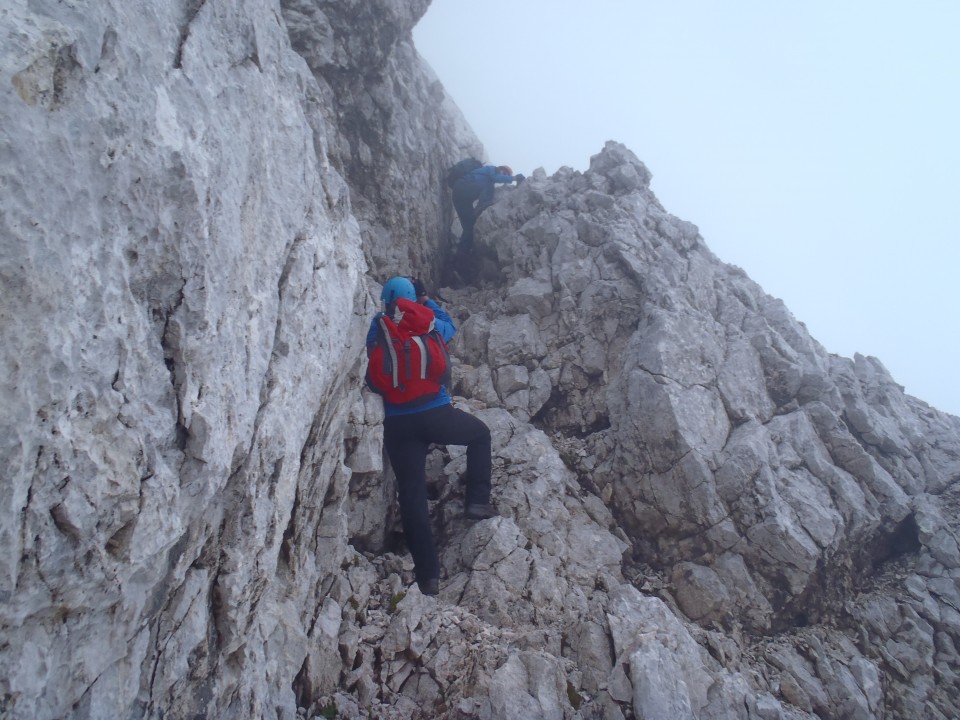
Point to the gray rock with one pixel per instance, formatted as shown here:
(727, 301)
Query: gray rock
(701, 512)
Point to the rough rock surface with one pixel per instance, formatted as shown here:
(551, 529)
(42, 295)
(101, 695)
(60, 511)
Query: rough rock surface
(702, 513)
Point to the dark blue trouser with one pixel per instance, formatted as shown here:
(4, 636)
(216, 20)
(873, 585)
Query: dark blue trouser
(407, 439)
(465, 194)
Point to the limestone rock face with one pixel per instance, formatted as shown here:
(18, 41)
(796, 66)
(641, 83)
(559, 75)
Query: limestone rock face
(701, 513)
(184, 305)
(398, 129)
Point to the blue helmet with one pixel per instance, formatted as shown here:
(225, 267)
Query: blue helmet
(398, 287)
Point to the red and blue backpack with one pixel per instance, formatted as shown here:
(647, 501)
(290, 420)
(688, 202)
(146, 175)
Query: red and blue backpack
(409, 362)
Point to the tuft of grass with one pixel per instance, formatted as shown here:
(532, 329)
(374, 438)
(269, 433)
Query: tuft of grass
(569, 459)
(575, 698)
(329, 711)
(395, 600)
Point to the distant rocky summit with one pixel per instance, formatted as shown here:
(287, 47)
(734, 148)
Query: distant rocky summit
(702, 513)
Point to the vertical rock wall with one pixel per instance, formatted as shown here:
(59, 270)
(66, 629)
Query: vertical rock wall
(183, 309)
(399, 129)
(183, 304)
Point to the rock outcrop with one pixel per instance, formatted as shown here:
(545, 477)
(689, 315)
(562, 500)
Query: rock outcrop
(771, 493)
(701, 512)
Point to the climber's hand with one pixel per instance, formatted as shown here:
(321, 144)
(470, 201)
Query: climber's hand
(419, 289)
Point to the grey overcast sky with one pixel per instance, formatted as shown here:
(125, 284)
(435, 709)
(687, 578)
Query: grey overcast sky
(815, 144)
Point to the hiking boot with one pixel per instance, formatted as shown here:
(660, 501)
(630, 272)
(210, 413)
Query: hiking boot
(431, 586)
(479, 511)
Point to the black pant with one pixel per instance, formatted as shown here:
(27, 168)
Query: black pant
(407, 439)
(465, 194)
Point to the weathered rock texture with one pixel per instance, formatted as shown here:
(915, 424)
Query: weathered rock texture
(702, 513)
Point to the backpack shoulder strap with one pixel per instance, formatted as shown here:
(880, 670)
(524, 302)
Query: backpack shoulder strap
(424, 354)
(389, 350)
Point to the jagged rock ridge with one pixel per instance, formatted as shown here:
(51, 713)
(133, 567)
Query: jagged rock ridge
(703, 514)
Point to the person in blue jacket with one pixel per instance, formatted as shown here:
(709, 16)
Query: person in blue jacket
(473, 193)
(408, 433)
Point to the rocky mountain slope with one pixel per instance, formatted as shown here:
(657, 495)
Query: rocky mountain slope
(703, 514)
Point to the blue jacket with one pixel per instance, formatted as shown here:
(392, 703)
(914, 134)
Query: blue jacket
(486, 174)
(443, 323)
